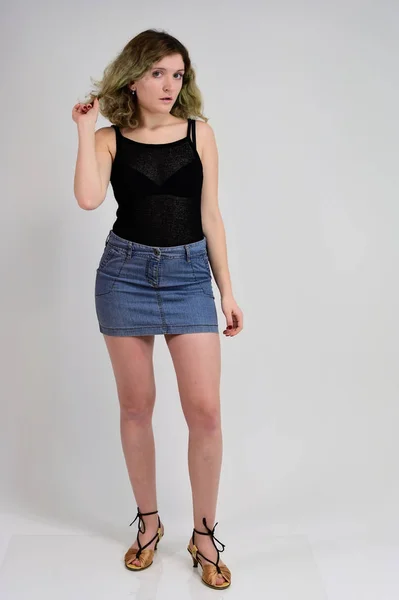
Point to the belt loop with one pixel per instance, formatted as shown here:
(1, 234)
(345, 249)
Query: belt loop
(187, 249)
(129, 250)
(108, 236)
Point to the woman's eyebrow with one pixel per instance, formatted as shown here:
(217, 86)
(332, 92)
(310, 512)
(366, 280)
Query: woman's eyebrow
(165, 69)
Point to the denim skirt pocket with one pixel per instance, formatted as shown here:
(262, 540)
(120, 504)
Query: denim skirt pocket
(202, 272)
(109, 269)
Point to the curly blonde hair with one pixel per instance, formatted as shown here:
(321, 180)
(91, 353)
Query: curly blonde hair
(117, 103)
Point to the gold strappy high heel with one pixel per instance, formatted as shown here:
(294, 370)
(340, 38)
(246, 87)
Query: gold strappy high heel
(145, 557)
(210, 572)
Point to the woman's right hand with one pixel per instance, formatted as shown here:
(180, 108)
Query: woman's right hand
(87, 113)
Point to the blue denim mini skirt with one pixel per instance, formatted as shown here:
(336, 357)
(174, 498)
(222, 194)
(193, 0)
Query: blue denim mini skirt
(148, 290)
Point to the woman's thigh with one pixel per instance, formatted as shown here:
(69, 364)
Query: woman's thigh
(132, 362)
(197, 361)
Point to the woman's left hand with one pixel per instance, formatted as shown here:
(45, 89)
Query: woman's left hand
(234, 316)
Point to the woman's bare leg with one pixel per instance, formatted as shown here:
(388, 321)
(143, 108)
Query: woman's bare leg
(197, 362)
(132, 363)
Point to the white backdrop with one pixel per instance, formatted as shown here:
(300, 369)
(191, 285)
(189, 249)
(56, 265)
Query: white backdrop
(303, 98)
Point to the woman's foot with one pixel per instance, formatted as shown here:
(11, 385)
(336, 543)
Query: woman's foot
(203, 549)
(206, 547)
(151, 525)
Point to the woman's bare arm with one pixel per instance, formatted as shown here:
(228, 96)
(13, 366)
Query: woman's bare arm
(93, 166)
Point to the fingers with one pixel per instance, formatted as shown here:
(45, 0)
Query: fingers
(82, 108)
(235, 326)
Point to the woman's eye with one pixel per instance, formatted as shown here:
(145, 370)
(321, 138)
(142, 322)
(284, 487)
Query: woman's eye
(181, 74)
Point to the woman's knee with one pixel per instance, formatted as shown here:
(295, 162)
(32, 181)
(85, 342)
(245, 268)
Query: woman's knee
(137, 407)
(203, 416)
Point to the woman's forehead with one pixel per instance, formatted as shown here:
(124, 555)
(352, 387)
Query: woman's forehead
(170, 63)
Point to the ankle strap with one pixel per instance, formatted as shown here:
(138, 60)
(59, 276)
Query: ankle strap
(211, 533)
(141, 521)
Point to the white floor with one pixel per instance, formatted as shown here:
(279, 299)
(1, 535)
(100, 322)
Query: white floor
(42, 560)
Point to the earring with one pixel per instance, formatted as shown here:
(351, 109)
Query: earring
(133, 92)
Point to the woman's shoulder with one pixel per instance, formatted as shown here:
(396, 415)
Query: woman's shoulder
(205, 136)
(203, 127)
(105, 133)
(204, 131)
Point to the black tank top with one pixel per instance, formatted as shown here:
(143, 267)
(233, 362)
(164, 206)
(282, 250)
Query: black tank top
(158, 190)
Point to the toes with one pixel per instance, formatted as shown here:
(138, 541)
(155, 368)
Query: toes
(135, 562)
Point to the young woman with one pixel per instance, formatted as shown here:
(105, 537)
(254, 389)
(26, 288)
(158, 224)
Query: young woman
(154, 275)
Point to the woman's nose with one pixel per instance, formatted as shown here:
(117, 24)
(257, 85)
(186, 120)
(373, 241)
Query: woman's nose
(168, 86)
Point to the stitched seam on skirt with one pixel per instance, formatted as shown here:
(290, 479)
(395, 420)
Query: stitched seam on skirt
(201, 285)
(157, 326)
(115, 277)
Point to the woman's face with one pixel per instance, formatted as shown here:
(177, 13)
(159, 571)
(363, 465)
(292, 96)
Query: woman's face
(164, 78)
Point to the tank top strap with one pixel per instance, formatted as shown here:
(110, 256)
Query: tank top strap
(118, 133)
(191, 129)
